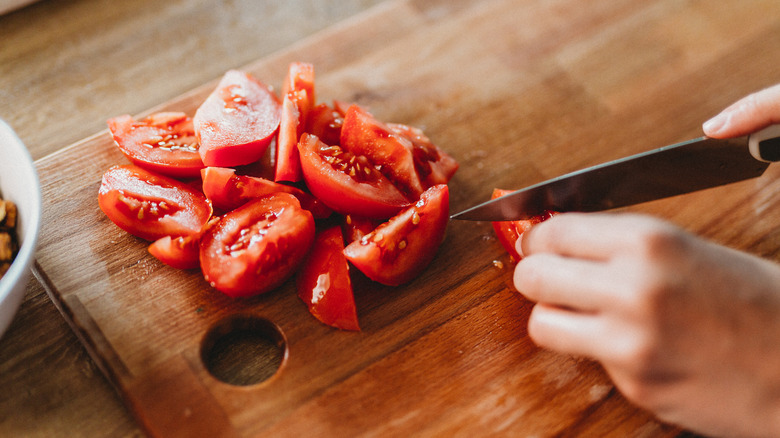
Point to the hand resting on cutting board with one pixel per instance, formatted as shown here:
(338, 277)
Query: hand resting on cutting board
(686, 328)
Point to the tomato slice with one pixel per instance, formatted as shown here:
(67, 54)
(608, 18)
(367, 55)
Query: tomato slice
(362, 134)
(256, 247)
(228, 191)
(237, 121)
(323, 282)
(298, 92)
(178, 252)
(325, 122)
(508, 232)
(403, 153)
(347, 183)
(151, 206)
(400, 249)
(163, 142)
(433, 165)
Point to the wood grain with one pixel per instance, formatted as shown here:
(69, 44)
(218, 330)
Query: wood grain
(517, 92)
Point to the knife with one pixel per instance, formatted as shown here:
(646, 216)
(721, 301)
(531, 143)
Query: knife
(660, 173)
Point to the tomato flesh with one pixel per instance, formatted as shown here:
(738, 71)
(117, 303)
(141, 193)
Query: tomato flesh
(228, 191)
(256, 247)
(400, 249)
(507, 232)
(347, 183)
(163, 142)
(237, 121)
(151, 206)
(323, 282)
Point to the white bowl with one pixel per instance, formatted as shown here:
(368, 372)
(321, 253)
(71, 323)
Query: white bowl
(19, 184)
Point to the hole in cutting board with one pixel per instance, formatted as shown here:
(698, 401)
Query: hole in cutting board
(243, 350)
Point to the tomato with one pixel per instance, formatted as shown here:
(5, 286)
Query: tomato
(151, 206)
(323, 282)
(228, 191)
(237, 122)
(404, 154)
(178, 252)
(400, 249)
(508, 232)
(298, 99)
(163, 142)
(362, 134)
(256, 247)
(347, 183)
(325, 122)
(433, 165)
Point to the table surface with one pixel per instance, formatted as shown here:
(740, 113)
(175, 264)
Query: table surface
(67, 66)
(88, 60)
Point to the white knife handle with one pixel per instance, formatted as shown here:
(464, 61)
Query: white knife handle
(764, 145)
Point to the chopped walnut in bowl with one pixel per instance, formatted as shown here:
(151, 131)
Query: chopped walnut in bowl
(9, 244)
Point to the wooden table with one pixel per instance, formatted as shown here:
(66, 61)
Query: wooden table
(620, 77)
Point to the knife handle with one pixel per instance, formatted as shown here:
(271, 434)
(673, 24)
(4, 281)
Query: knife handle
(764, 145)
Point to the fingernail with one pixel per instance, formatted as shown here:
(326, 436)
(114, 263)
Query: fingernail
(519, 246)
(715, 124)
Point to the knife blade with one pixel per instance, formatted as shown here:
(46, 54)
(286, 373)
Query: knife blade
(656, 174)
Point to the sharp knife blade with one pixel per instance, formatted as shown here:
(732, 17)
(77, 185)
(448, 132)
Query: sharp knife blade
(661, 173)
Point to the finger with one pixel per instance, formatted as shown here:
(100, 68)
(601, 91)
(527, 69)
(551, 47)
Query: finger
(747, 115)
(577, 284)
(565, 331)
(595, 236)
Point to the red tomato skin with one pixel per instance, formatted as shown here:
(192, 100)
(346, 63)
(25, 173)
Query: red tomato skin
(374, 198)
(163, 142)
(323, 282)
(288, 163)
(399, 250)
(507, 232)
(177, 252)
(151, 206)
(298, 100)
(227, 191)
(256, 247)
(237, 121)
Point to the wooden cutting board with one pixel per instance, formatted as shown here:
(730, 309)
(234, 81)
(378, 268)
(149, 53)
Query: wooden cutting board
(517, 92)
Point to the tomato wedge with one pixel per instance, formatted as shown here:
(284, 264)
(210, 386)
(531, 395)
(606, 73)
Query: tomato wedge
(163, 142)
(177, 252)
(298, 99)
(237, 121)
(508, 232)
(228, 191)
(347, 183)
(323, 282)
(256, 247)
(362, 134)
(151, 206)
(433, 165)
(400, 249)
(402, 153)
